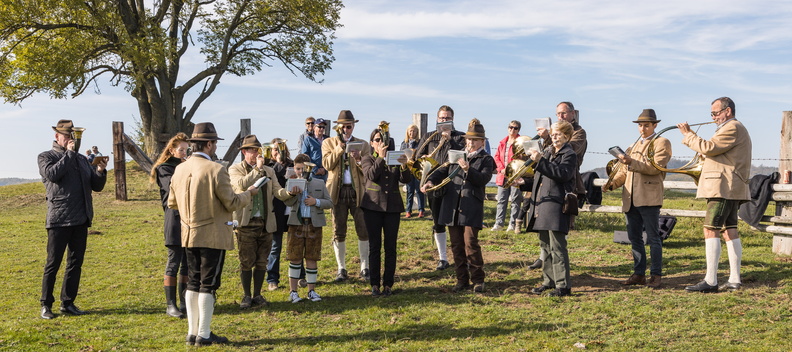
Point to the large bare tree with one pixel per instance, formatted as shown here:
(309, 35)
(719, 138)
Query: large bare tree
(62, 47)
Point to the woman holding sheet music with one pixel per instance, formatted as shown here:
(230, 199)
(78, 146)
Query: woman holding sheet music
(382, 206)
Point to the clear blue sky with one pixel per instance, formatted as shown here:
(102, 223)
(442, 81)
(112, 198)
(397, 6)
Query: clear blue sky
(496, 61)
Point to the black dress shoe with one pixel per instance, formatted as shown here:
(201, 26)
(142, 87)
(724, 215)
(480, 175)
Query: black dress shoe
(540, 289)
(46, 313)
(72, 309)
(375, 291)
(442, 265)
(200, 341)
(386, 292)
(702, 286)
(342, 275)
(536, 265)
(461, 287)
(561, 292)
(190, 340)
(730, 286)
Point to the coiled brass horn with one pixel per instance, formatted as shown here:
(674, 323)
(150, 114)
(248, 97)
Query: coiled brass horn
(692, 168)
(519, 167)
(266, 151)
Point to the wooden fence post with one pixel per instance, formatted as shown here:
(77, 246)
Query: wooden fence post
(782, 244)
(233, 149)
(119, 161)
(420, 120)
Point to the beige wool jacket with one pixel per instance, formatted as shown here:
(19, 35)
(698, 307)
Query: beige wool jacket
(332, 154)
(201, 190)
(643, 183)
(727, 163)
(244, 176)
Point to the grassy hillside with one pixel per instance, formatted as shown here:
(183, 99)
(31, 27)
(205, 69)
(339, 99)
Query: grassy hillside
(122, 289)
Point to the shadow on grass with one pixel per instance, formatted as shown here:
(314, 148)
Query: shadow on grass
(416, 332)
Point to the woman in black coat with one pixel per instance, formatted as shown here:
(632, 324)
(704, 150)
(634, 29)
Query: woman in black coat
(554, 177)
(382, 206)
(173, 154)
(462, 210)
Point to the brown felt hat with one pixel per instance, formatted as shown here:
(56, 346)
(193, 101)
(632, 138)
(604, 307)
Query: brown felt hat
(475, 130)
(345, 116)
(204, 131)
(250, 141)
(64, 127)
(647, 115)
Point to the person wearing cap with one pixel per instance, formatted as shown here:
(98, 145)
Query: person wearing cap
(554, 176)
(439, 144)
(69, 180)
(256, 221)
(202, 192)
(312, 146)
(462, 208)
(565, 111)
(724, 184)
(346, 185)
(642, 197)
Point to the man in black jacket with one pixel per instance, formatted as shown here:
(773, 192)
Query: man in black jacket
(69, 180)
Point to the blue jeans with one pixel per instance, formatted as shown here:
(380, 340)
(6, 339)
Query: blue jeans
(508, 194)
(273, 261)
(647, 219)
(412, 189)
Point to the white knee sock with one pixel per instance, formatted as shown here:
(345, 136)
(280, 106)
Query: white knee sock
(311, 275)
(191, 303)
(712, 247)
(734, 247)
(340, 254)
(363, 250)
(294, 271)
(442, 246)
(206, 310)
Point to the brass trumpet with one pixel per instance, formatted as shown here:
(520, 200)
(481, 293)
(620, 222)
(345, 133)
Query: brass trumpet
(692, 168)
(76, 135)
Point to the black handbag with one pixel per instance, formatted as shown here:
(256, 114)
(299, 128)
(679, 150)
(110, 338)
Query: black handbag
(570, 206)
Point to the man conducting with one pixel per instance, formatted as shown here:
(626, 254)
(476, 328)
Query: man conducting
(345, 184)
(256, 221)
(724, 183)
(642, 197)
(201, 190)
(69, 180)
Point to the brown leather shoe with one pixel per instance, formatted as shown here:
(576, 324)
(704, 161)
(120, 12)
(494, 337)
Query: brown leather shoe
(654, 281)
(635, 279)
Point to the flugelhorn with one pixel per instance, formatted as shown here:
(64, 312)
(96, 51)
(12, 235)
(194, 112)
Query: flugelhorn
(692, 168)
(76, 135)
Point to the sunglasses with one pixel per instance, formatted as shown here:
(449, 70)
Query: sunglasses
(310, 123)
(514, 128)
(321, 127)
(348, 127)
(377, 140)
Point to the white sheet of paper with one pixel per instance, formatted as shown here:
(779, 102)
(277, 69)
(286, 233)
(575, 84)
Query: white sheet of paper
(391, 158)
(299, 182)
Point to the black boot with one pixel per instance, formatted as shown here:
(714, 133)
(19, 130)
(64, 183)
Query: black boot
(245, 276)
(183, 305)
(170, 298)
(258, 281)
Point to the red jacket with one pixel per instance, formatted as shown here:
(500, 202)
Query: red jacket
(499, 162)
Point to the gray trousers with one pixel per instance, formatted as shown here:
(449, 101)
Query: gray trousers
(555, 270)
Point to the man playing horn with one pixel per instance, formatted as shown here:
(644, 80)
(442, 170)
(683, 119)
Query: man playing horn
(724, 183)
(454, 140)
(642, 197)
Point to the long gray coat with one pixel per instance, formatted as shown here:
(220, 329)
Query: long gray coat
(463, 201)
(555, 171)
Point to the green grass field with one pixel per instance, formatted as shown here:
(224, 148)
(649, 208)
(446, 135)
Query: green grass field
(122, 290)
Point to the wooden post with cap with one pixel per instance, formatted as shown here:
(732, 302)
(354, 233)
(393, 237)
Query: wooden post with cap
(119, 161)
(782, 244)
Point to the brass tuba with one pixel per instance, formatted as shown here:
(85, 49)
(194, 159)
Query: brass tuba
(692, 168)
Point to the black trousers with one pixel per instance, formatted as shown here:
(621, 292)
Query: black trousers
(204, 268)
(74, 238)
(435, 203)
(383, 231)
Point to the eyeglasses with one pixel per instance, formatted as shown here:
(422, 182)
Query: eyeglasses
(514, 128)
(348, 127)
(716, 113)
(321, 127)
(377, 140)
